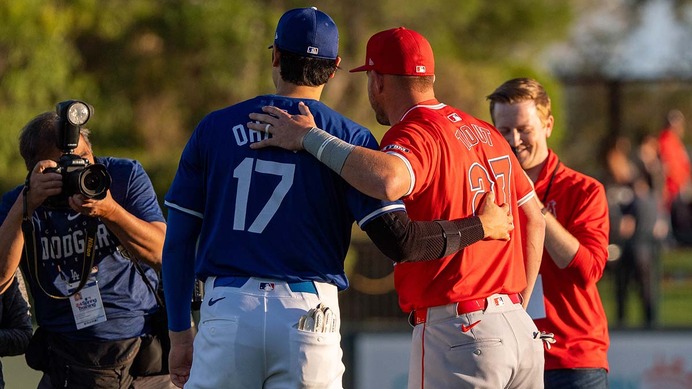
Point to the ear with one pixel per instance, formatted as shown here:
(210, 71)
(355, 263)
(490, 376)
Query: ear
(276, 57)
(549, 126)
(338, 62)
(378, 81)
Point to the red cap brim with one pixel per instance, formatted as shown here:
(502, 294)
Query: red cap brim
(363, 68)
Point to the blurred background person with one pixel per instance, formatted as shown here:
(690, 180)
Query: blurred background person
(15, 324)
(677, 191)
(634, 216)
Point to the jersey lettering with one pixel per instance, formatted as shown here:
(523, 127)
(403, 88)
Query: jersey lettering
(72, 244)
(481, 181)
(466, 136)
(244, 172)
(471, 136)
(483, 134)
(244, 136)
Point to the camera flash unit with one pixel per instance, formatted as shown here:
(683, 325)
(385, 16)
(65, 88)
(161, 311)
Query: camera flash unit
(73, 115)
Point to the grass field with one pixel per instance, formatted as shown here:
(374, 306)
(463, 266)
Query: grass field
(18, 375)
(675, 293)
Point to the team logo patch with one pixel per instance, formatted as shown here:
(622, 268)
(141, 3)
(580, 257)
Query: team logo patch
(454, 117)
(395, 147)
(420, 69)
(266, 286)
(313, 50)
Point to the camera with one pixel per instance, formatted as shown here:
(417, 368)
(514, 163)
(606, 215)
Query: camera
(79, 176)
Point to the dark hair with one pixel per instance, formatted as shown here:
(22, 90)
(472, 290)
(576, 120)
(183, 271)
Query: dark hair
(306, 71)
(40, 137)
(522, 89)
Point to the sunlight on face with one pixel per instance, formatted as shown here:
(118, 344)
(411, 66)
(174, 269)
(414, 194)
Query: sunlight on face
(521, 126)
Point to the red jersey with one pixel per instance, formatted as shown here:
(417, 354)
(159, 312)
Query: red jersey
(676, 163)
(574, 312)
(453, 159)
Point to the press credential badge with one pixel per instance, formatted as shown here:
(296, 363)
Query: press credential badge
(87, 307)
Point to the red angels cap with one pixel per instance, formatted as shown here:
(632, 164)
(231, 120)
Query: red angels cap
(399, 51)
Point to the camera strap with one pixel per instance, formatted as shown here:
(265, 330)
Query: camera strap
(140, 270)
(31, 247)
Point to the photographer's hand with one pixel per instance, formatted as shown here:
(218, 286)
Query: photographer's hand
(103, 208)
(142, 239)
(42, 184)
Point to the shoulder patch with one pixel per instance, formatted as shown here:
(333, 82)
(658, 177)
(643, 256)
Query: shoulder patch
(454, 117)
(395, 147)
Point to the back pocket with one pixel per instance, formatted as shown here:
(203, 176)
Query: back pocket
(316, 359)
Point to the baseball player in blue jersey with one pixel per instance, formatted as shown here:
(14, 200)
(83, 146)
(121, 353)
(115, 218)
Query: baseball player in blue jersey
(268, 231)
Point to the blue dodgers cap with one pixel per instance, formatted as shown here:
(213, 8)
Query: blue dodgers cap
(308, 32)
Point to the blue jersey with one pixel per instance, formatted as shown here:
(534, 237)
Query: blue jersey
(61, 234)
(270, 213)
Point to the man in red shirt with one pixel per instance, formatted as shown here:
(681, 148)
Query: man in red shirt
(674, 157)
(576, 213)
(677, 186)
(471, 330)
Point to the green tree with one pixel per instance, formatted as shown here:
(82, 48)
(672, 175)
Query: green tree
(152, 68)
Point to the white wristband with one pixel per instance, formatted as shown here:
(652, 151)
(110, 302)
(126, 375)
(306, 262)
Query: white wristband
(327, 148)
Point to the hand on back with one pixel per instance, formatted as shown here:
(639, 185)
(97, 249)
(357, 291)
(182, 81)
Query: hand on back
(497, 220)
(287, 131)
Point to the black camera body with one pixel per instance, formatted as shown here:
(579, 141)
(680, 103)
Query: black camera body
(79, 176)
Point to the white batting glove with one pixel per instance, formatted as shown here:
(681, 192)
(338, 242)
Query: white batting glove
(548, 338)
(318, 319)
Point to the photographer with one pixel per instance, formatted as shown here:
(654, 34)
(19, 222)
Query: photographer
(93, 341)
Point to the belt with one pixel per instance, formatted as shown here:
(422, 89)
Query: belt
(237, 282)
(420, 316)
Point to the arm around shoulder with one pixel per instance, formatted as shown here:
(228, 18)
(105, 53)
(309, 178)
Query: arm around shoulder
(404, 240)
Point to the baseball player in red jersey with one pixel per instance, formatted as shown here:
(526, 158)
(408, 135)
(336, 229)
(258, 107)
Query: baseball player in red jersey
(576, 238)
(471, 330)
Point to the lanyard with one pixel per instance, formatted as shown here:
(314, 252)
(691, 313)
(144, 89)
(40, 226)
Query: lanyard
(32, 247)
(550, 183)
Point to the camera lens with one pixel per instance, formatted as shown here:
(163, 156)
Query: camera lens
(94, 181)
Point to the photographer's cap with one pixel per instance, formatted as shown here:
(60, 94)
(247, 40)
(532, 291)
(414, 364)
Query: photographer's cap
(308, 32)
(399, 51)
